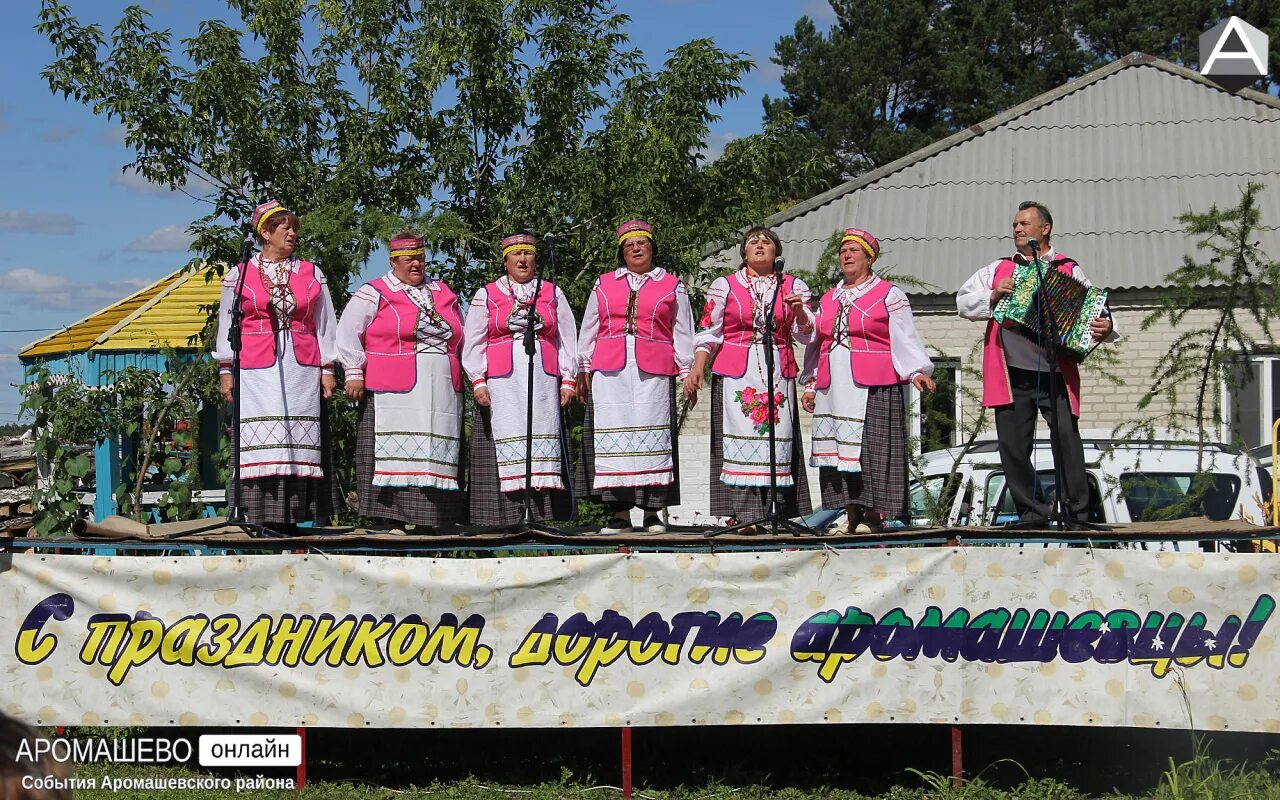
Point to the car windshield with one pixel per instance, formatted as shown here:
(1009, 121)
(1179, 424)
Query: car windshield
(1148, 494)
(1005, 511)
(927, 505)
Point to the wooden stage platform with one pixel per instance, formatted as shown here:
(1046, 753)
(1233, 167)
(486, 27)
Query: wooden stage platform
(216, 534)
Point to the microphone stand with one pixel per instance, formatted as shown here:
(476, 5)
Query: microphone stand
(772, 516)
(235, 511)
(1060, 509)
(528, 522)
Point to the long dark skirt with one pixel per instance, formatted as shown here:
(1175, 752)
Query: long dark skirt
(882, 483)
(287, 499)
(651, 498)
(751, 502)
(489, 506)
(412, 504)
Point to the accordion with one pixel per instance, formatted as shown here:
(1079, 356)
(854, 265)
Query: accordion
(1071, 304)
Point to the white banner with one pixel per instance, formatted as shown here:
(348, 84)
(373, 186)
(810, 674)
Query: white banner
(936, 635)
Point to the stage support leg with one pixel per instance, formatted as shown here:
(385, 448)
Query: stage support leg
(627, 789)
(957, 756)
(302, 763)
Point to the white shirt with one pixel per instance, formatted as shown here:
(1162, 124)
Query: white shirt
(711, 337)
(681, 333)
(475, 332)
(326, 324)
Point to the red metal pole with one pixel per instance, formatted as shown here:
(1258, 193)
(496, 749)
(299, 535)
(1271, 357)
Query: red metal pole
(627, 790)
(302, 763)
(957, 756)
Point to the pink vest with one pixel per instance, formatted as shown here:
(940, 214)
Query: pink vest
(870, 358)
(390, 341)
(258, 337)
(996, 390)
(739, 324)
(502, 340)
(655, 319)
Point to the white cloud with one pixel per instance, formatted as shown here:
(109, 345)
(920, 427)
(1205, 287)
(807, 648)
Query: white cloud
(112, 135)
(715, 144)
(821, 12)
(129, 179)
(37, 222)
(41, 290)
(56, 135)
(766, 71)
(134, 181)
(169, 239)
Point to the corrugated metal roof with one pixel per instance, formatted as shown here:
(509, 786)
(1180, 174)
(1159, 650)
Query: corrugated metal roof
(165, 314)
(1116, 155)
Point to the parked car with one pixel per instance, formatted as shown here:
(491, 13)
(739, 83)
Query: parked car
(1128, 482)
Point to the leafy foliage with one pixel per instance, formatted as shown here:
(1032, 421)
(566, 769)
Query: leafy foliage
(1213, 307)
(159, 411)
(891, 77)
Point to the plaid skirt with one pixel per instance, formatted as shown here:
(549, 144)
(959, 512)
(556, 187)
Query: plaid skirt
(650, 498)
(489, 505)
(751, 502)
(882, 483)
(418, 505)
(291, 499)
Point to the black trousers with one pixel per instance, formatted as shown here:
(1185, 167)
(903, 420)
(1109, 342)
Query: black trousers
(1016, 430)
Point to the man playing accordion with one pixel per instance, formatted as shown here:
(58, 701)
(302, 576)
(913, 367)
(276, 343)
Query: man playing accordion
(1015, 380)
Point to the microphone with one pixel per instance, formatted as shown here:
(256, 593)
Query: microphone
(779, 264)
(549, 236)
(1034, 244)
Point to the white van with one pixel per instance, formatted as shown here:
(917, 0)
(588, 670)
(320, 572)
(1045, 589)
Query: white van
(1127, 482)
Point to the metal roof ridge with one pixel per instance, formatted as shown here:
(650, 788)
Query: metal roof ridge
(1004, 117)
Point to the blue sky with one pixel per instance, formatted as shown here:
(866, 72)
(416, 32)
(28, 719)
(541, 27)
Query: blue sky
(78, 234)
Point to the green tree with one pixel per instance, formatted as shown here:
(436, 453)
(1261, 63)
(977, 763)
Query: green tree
(470, 119)
(1214, 308)
(891, 77)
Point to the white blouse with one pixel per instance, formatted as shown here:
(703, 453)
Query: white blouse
(326, 323)
(475, 332)
(682, 330)
(711, 336)
(906, 347)
(360, 312)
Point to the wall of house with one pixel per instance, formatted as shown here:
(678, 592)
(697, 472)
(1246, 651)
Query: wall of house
(1104, 406)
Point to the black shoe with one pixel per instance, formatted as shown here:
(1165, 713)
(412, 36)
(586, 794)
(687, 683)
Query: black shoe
(654, 524)
(617, 525)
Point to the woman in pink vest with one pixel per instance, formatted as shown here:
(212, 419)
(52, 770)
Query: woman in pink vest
(637, 337)
(286, 368)
(400, 344)
(494, 357)
(866, 350)
(731, 336)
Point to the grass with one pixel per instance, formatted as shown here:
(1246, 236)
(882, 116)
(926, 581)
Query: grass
(1200, 778)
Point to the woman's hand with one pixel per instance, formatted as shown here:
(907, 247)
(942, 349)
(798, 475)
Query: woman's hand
(796, 302)
(809, 400)
(924, 383)
(566, 396)
(584, 386)
(355, 390)
(692, 385)
(224, 386)
(328, 384)
(482, 396)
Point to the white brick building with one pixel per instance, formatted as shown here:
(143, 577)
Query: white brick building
(1116, 155)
